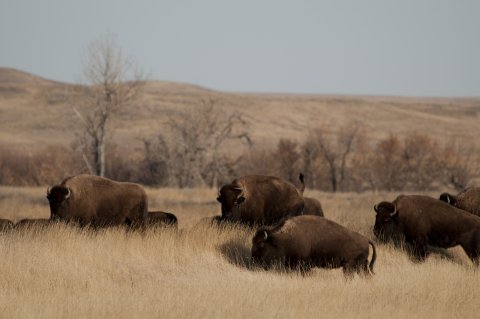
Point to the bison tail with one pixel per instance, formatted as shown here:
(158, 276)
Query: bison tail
(302, 181)
(374, 257)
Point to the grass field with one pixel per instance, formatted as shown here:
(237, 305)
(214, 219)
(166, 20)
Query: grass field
(203, 271)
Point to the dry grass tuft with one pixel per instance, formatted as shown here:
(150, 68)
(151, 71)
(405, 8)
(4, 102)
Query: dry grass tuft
(204, 271)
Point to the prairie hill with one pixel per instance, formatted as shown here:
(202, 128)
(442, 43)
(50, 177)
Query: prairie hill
(36, 112)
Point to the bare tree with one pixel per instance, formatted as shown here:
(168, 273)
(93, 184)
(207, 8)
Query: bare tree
(387, 164)
(461, 165)
(335, 151)
(195, 144)
(155, 164)
(113, 82)
(286, 158)
(421, 158)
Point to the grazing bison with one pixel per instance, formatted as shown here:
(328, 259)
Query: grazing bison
(27, 223)
(159, 218)
(98, 201)
(312, 207)
(5, 224)
(468, 200)
(258, 199)
(309, 241)
(422, 221)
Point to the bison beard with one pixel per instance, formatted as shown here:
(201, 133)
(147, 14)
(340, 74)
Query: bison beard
(312, 241)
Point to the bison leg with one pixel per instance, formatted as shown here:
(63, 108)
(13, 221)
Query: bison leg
(349, 270)
(364, 270)
(136, 217)
(473, 254)
(295, 264)
(418, 251)
(475, 257)
(472, 249)
(292, 263)
(358, 266)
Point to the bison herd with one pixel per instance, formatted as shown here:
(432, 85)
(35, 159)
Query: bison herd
(291, 228)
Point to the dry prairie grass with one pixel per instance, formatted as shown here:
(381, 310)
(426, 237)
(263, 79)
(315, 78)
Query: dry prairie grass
(203, 271)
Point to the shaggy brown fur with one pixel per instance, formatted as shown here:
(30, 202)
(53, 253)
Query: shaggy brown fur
(468, 200)
(258, 199)
(98, 201)
(422, 221)
(309, 241)
(312, 207)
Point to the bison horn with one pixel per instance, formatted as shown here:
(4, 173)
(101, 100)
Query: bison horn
(265, 234)
(241, 191)
(448, 199)
(68, 194)
(394, 211)
(48, 190)
(375, 208)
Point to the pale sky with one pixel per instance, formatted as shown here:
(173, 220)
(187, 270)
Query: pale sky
(371, 47)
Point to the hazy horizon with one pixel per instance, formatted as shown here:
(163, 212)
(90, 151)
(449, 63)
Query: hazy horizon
(410, 48)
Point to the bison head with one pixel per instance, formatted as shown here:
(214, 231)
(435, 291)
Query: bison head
(230, 196)
(57, 197)
(449, 199)
(385, 220)
(265, 249)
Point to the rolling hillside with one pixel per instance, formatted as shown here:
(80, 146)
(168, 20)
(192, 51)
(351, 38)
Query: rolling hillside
(36, 112)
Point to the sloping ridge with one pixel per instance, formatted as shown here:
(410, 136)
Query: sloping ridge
(14, 76)
(35, 111)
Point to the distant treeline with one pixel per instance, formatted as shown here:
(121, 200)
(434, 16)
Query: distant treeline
(343, 160)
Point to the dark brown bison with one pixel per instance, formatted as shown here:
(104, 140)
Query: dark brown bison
(159, 218)
(468, 200)
(258, 199)
(312, 207)
(97, 201)
(27, 223)
(5, 224)
(422, 220)
(309, 241)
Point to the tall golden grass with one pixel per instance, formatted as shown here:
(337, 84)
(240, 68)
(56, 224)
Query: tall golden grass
(203, 271)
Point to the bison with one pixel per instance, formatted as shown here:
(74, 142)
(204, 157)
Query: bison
(5, 224)
(309, 241)
(97, 201)
(468, 200)
(258, 199)
(312, 207)
(422, 220)
(159, 218)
